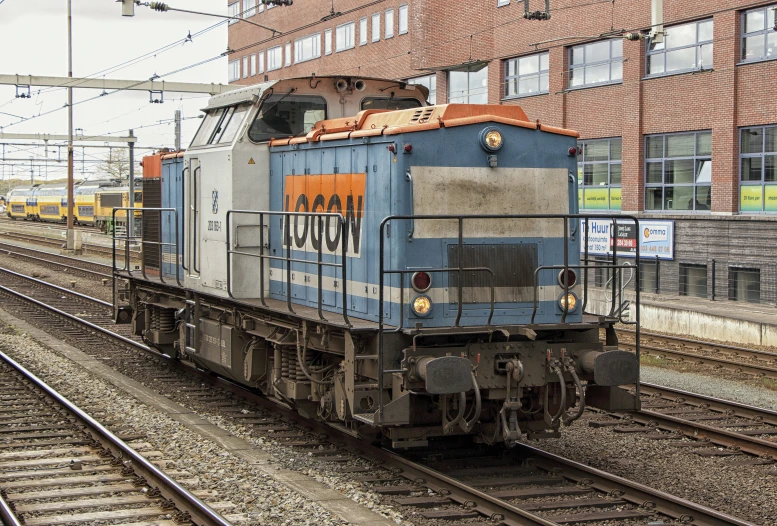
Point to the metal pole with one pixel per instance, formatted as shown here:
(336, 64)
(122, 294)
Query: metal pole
(713, 280)
(32, 173)
(70, 231)
(131, 217)
(177, 130)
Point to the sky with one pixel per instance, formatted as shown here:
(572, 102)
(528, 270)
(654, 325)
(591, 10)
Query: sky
(33, 41)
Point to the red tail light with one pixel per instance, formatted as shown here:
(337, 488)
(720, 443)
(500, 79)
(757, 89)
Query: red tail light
(421, 281)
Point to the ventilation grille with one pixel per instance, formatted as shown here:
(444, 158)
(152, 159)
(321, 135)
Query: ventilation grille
(152, 198)
(422, 115)
(513, 267)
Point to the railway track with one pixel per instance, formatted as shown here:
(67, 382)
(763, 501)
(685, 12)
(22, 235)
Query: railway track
(73, 265)
(60, 466)
(58, 242)
(44, 225)
(716, 427)
(523, 486)
(719, 356)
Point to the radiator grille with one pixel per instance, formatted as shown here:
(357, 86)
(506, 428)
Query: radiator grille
(513, 267)
(152, 198)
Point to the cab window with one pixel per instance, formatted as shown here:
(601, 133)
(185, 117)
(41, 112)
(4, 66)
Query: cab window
(384, 103)
(287, 116)
(209, 124)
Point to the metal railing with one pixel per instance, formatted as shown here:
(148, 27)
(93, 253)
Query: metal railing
(571, 227)
(287, 259)
(130, 237)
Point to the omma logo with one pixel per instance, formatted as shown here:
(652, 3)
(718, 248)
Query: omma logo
(655, 234)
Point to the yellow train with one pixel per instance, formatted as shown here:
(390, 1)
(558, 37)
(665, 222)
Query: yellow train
(93, 202)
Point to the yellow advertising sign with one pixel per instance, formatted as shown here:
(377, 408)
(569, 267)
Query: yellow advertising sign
(615, 198)
(595, 199)
(770, 198)
(751, 198)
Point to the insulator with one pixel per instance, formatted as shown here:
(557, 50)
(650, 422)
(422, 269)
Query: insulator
(633, 36)
(158, 6)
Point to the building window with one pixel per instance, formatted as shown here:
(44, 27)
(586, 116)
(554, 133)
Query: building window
(430, 82)
(468, 85)
(389, 23)
(403, 19)
(328, 42)
(599, 174)
(307, 48)
(758, 169)
(526, 75)
(744, 284)
(287, 53)
(245, 66)
(233, 70)
(376, 27)
(693, 280)
(500, 3)
(759, 39)
(596, 63)
(344, 36)
(234, 11)
(261, 7)
(249, 8)
(252, 61)
(274, 58)
(678, 171)
(363, 31)
(685, 48)
(260, 62)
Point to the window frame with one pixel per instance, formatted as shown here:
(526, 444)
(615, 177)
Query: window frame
(287, 55)
(327, 42)
(260, 62)
(345, 47)
(233, 10)
(403, 13)
(502, 3)
(585, 64)
(469, 70)
(697, 45)
(375, 21)
(363, 24)
(762, 155)
(581, 164)
(765, 32)
(683, 283)
(432, 99)
(733, 286)
(316, 39)
(249, 11)
(230, 66)
(245, 67)
(270, 52)
(517, 77)
(388, 27)
(252, 61)
(695, 158)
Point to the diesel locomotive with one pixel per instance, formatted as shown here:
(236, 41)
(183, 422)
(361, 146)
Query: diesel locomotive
(407, 271)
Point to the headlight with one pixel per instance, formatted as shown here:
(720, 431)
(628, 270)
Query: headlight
(571, 299)
(422, 305)
(491, 139)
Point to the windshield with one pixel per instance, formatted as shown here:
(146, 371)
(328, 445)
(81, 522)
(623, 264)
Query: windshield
(287, 116)
(380, 103)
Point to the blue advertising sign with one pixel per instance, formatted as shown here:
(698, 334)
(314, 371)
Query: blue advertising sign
(656, 238)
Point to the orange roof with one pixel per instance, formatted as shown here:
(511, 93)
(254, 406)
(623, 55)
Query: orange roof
(370, 123)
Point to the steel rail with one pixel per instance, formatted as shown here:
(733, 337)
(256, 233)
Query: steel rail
(57, 288)
(201, 513)
(7, 516)
(639, 494)
(43, 240)
(761, 414)
(43, 261)
(706, 345)
(731, 365)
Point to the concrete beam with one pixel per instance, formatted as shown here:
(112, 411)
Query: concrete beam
(114, 84)
(76, 138)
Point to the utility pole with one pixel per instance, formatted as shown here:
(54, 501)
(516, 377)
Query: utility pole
(177, 130)
(131, 204)
(71, 245)
(32, 173)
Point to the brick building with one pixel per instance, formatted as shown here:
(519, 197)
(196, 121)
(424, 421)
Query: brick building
(683, 131)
